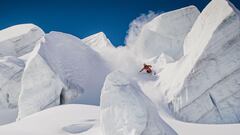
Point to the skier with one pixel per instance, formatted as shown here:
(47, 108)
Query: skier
(147, 68)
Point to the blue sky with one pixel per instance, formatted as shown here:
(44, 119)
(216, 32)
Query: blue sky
(85, 17)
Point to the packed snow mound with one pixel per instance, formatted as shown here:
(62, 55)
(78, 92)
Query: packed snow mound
(11, 69)
(125, 110)
(41, 87)
(98, 41)
(166, 33)
(203, 86)
(19, 39)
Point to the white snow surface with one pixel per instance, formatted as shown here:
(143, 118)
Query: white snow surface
(60, 120)
(84, 120)
(19, 39)
(165, 33)
(125, 110)
(203, 86)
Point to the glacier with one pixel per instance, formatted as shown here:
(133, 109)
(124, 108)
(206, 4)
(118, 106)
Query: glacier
(194, 88)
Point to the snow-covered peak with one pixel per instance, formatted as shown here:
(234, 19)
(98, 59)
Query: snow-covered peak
(17, 30)
(98, 40)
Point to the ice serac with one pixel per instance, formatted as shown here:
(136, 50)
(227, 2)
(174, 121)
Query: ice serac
(79, 67)
(125, 110)
(11, 69)
(166, 33)
(203, 86)
(61, 70)
(19, 39)
(41, 87)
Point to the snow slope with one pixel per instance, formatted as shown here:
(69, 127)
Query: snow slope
(84, 120)
(125, 110)
(60, 120)
(165, 33)
(203, 86)
(19, 39)
(184, 128)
